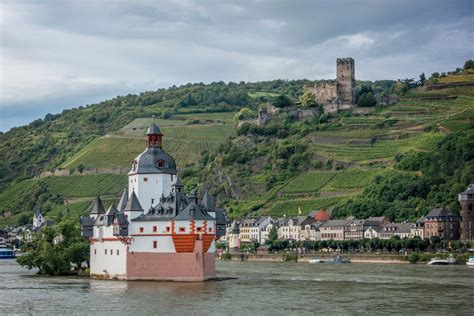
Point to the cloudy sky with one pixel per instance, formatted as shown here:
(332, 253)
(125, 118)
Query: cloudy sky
(62, 54)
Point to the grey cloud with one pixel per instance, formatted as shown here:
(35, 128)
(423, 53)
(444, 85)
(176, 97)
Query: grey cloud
(58, 54)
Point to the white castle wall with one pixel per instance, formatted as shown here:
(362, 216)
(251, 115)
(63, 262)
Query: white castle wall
(150, 187)
(111, 264)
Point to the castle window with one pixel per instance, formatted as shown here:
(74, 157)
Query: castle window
(182, 229)
(210, 229)
(142, 229)
(161, 163)
(111, 252)
(168, 229)
(105, 251)
(145, 179)
(118, 252)
(155, 244)
(199, 229)
(95, 251)
(154, 229)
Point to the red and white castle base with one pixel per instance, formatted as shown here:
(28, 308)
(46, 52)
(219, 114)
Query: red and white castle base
(173, 240)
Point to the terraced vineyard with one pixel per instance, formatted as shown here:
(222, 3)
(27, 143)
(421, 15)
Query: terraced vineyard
(87, 185)
(185, 143)
(380, 150)
(292, 207)
(308, 182)
(16, 192)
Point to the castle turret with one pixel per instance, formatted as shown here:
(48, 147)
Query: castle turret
(153, 171)
(466, 199)
(234, 237)
(123, 200)
(133, 208)
(97, 208)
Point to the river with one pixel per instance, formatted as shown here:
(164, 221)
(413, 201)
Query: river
(275, 288)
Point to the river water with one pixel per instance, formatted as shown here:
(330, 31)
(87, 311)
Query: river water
(261, 288)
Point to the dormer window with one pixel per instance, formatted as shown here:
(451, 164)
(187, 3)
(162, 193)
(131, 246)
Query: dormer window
(134, 165)
(161, 163)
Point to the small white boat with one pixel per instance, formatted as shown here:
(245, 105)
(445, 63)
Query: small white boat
(438, 261)
(314, 260)
(470, 261)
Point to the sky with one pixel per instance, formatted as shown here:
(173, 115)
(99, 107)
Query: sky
(56, 55)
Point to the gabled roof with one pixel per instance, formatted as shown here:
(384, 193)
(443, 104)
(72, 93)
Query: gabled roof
(335, 223)
(86, 221)
(208, 201)
(110, 214)
(193, 212)
(120, 219)
(97, 207)
(439, 212)
(123, 200)
(133, 204)
(404, 228)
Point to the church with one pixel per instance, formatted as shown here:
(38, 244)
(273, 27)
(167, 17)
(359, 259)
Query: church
(156, 231)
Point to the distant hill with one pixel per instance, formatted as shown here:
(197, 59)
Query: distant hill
(278, 169)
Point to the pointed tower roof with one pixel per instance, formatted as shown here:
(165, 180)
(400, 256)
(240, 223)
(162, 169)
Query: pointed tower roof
(178, 183)
(97, 207)
(235, 229)
(112, 210)
(208, 201)
(123, 200)
(37, 211)
(133, 204)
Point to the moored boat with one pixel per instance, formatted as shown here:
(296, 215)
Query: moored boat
(314, 260)
(470, 261)
(7, 253)
(438, 261)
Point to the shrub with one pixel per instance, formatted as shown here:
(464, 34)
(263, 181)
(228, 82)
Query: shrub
(290, 257)
(414, 257)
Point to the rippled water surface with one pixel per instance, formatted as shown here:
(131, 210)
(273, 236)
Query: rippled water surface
(261, 288)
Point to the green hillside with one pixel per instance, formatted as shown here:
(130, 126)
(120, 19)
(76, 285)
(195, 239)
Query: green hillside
(347, 162)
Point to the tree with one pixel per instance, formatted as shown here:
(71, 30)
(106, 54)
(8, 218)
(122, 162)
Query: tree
(366, 100)
(273, 234)
(308, 99)
(282, 101)
(469, 64)
(55, 250)
(422, 79)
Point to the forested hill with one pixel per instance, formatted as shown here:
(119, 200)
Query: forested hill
(397, 160)
(46, 143)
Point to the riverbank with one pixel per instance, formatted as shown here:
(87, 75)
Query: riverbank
(355, 258)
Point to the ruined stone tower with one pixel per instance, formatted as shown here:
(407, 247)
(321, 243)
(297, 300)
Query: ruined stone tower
(345, 77)
(466, 199)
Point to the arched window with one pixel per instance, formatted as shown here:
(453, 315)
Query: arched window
(161, 163)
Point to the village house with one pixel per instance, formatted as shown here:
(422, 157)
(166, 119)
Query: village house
(404, 230)
(333, 229)
(443, 224)
(372, 232)
(388, 231)
(248, 232)
(310, 229)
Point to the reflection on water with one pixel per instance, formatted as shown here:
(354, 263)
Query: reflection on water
(260, 288)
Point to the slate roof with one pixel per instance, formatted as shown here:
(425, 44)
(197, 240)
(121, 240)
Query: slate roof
(193, 212)
(335, 223)
(221, 217)
(208, 201)
(120, 219)
(153, 129)
(440, 212)
(404, 228)
(109, 215)
(469, 190)
(97, 207)
(235, 229)
(123, 200)
(133, 204)
(86, 221)
(167, 208)
(146, 162)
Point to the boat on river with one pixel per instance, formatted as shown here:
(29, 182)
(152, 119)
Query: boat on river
(7, 253)
(438, 261)
(314, 260)
(470, 261)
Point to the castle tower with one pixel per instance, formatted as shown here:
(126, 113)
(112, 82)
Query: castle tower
(153, 171)
(234, 237)
(466, 199)
(345, 77)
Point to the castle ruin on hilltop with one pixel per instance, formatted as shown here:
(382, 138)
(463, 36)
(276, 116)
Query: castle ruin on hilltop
(337, 94)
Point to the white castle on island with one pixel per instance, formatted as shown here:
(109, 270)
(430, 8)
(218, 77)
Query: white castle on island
(156, 232)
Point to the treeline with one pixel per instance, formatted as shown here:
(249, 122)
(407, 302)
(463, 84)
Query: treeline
(434, 180)
(375, 244)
